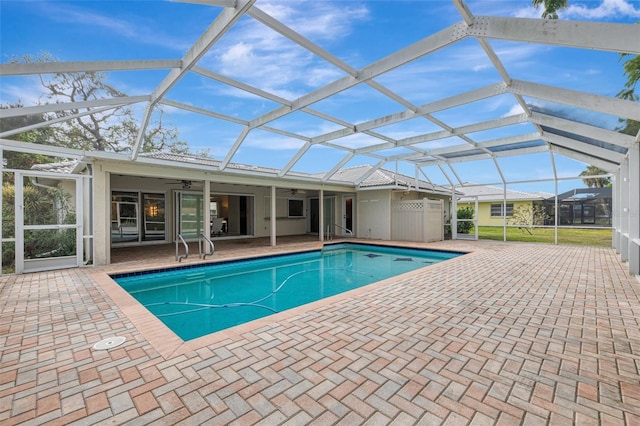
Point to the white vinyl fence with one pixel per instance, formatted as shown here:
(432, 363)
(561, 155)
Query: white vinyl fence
(417, 220)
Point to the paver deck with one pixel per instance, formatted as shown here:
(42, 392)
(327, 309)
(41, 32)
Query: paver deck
(512, 334)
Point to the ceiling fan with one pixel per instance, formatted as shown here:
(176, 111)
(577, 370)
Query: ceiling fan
(186, 184)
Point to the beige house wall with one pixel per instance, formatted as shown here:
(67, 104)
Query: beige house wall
(484, 211)
(374, 214)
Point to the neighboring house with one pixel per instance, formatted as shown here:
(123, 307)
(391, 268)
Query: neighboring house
(166, 195)
(491, 201)
(581, 206)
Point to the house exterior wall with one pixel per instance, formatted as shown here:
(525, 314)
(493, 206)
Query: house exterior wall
(371, 208)
(374, 214)
(484, 211)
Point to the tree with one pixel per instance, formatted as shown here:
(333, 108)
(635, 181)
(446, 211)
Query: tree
(111, 130)
(596, 182)
(550, 7)
(528, 216)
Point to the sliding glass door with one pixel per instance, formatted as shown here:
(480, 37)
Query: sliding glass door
(190, 214)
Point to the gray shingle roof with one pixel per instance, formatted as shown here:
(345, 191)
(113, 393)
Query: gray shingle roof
(61, 167)
(495, 193)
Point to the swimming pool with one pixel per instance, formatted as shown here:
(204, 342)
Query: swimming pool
(197, 300)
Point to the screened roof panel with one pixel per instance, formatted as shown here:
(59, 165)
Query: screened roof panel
(503, 132)
(514, 146)
(479, 171)
(280, 83)
(481, 110)
(567, 67)
(408, 128)
(586, 140)
(305, 123)
(357, 104)
(527, 167)
(454, 69)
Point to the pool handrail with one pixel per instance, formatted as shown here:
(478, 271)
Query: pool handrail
(201, 252)
(330, 234)
(186, 248)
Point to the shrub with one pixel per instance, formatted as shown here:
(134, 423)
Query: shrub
(465, 213)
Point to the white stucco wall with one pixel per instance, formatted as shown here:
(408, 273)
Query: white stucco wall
(374, 214)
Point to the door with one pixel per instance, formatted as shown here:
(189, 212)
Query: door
(347, 215)
(314, 215)
(49, 228)
(190, 215)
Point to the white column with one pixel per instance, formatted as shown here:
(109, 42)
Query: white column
(624, 210)
(1, 186)
(634, 209)
(475, 217)
(454, 215)
(272, 217)
(206, 208)
(615, 212)
(504, 212)
(556, 214)
(321, 215)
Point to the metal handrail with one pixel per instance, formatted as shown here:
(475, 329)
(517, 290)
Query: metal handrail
(186, 248)
(330, 234)
(349, 231)
(201, 253)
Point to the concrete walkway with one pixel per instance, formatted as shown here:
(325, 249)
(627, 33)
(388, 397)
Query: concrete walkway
(512, 333)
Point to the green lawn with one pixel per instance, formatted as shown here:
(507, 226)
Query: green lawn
(578, 236)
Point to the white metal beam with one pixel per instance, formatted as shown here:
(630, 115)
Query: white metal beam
(294, 159)
(619, 38)
(594, 132)
(586, 158)
(203, 111)
(603, 104)
(338, 166)
(578, 146)
(223, 3)
(421, 48)
(369, 172)
(14, 68)
(239, 85)
(96, 103)
(446, 103)
(236, 145)
(484, 156)
(48, 123)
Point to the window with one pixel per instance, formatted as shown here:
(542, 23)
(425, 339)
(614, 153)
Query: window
(296, 208)
(496, 210)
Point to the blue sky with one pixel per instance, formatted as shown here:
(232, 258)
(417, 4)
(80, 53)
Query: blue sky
(357, 32)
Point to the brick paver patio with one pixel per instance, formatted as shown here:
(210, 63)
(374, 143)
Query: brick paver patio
(513, 334)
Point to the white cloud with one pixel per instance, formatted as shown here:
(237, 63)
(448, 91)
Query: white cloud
(515, 110)
(605, 9)
(27, 91)
(257, 55)
(318, 20)
(139, 31)
(527, 12)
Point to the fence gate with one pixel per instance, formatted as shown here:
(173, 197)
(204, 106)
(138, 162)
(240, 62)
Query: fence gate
(417, 220)
(49, 232)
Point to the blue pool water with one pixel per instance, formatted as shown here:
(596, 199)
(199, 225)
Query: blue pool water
(199, 300)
